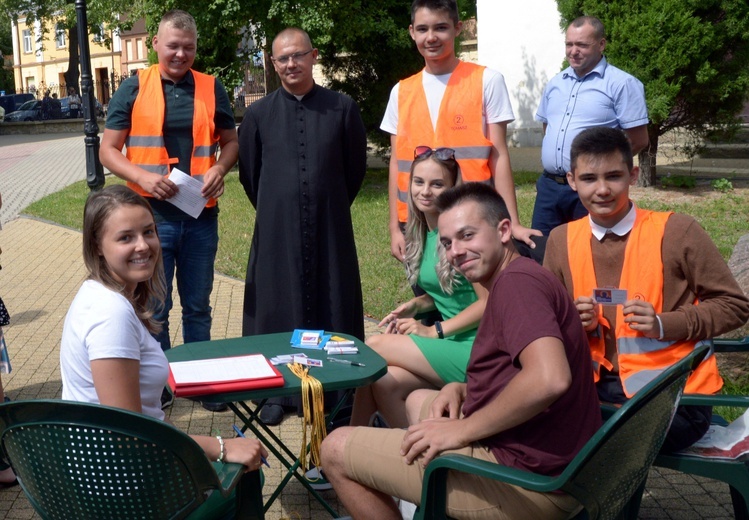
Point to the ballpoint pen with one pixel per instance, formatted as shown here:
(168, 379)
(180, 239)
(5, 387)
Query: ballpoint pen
(239, 432)
(346, 362)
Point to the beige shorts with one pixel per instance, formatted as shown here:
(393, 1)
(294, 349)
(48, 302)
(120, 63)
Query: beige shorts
(372, 458)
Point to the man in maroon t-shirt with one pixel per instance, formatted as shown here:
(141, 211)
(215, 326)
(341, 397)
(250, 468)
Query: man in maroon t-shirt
(528, 403)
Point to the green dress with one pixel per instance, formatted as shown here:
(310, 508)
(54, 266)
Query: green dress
(448, 357)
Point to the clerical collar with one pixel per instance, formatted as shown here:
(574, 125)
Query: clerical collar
(621, 228)
(295, 97)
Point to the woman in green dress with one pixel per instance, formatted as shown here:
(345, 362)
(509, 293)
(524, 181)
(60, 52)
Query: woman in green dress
(421, 356)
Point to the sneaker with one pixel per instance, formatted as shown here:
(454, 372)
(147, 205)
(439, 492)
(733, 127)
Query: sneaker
(317, 481)
(271, 414)
(214, 407)
(166, 399)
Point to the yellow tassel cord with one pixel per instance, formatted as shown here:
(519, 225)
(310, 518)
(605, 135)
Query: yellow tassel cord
(314, 415)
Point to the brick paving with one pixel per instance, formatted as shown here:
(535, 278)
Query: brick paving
(42, 270)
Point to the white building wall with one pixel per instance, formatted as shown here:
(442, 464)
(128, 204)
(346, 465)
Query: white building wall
(524, 42)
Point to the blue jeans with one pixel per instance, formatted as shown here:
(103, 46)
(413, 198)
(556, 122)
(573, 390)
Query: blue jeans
(190, 247)
(556, 204)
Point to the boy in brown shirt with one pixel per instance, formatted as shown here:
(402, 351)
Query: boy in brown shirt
(670, 288)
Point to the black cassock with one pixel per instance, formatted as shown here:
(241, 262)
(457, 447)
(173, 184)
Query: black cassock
(302, 164)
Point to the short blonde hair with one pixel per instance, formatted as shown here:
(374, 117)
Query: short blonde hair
(179, 19)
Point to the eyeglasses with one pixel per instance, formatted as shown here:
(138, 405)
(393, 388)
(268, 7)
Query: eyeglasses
(283, 60)
(443, 154)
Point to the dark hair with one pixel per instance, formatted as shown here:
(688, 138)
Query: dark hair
(600, 141)
(99, 207)
(447, 6)
(598, 30)
(493, 207)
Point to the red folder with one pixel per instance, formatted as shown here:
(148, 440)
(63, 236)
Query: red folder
(221, 387)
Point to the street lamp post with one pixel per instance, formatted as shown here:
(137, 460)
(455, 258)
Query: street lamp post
(94, 170)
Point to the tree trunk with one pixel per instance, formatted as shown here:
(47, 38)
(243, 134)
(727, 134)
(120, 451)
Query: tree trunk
(272, 82)
(648, 156)
(72, 75)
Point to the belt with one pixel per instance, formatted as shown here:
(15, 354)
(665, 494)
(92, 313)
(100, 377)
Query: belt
(559, 179)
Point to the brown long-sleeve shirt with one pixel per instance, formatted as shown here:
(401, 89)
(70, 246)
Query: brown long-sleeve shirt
(692, 268)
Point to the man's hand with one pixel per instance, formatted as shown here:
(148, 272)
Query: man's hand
(157, 185)
(588, 309)
(524, 234)
(398, 245)
(448, 402)
(640, 315)
(213, 183)
(431, 437)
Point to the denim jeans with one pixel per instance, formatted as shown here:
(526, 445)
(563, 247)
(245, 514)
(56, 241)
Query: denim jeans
(190, 247)
(556, 204)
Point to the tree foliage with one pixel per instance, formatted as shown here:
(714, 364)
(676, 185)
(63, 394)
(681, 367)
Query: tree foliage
(691, 55)
(6, 49)
(364, 44)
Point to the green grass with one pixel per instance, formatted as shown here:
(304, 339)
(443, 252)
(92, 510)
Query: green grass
(724, 216)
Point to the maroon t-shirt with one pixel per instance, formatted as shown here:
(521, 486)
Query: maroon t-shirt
(527, 303)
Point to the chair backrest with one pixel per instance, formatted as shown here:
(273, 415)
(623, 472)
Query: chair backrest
(78, 460)
(615, 462)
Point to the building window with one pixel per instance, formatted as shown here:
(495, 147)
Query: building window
(60, 36)
(139, 48)
(27, 40)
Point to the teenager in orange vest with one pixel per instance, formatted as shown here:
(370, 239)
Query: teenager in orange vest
(452, 104)
(172, 116)
(675, 289)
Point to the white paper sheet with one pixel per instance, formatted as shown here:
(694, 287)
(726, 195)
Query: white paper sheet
(188, 198)
(221, 370)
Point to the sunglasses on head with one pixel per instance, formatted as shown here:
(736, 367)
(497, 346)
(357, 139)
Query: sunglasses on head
(443, 154)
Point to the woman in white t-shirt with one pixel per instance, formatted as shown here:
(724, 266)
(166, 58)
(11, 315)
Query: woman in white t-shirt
(108, 355)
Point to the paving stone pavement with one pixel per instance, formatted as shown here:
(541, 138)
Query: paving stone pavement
(42, 270)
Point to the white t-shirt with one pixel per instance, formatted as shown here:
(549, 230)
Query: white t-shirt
(495, 109)
(102, 324)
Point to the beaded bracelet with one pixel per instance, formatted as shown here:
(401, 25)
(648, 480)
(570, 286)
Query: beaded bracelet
(221, 452)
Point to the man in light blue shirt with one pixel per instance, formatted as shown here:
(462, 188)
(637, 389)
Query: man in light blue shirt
(590, 92)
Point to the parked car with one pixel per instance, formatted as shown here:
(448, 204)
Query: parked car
(32, 111)
(13, 102)
(29, 111)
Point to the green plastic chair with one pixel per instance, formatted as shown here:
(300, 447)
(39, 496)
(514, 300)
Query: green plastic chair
(79, 460)
(733, 472)
(608, 475)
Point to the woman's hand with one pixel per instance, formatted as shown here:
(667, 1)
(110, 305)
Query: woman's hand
(245, 451)
(413, 326)
(407, 310)
(395, 321)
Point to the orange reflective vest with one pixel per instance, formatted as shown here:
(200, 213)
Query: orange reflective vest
(641, 359)
(459, 126)
(145, 142)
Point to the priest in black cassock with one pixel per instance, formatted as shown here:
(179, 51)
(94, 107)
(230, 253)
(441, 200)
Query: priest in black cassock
(302, 159)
